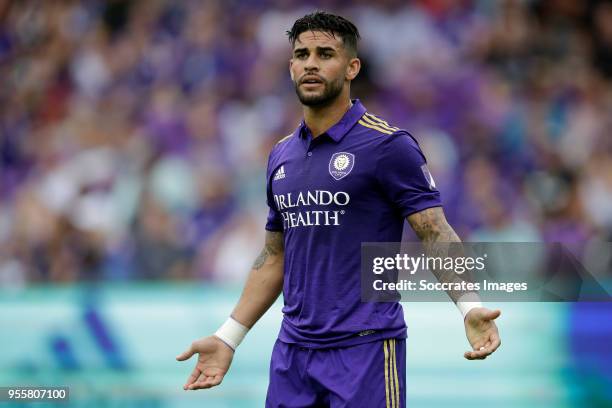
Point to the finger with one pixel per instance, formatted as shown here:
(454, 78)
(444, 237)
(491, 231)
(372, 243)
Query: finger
(195, 374)
(197, 383)
(206, 382)
(493, 314)
(495, 343)
(185, 355)
(483, 351)
(478, 353)
(474, 355)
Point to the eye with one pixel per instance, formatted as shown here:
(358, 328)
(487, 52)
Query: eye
(301, 56)
(326, 55)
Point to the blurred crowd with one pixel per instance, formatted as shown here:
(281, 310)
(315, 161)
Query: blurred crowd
(134, 134)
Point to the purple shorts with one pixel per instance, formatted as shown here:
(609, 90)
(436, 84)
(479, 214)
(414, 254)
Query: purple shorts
(369, 375)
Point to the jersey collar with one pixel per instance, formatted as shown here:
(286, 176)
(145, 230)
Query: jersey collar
(342, 127)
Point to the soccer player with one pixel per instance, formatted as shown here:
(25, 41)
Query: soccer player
(343, 177)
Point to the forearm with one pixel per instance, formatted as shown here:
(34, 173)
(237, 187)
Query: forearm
(441, 241)
(264, 283)
(431, 226)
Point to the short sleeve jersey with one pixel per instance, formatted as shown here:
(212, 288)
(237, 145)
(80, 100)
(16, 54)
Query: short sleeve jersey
(355, 183)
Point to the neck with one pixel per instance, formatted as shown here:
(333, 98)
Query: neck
(320, 118)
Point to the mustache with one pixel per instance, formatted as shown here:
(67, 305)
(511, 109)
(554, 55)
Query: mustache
(306, 77)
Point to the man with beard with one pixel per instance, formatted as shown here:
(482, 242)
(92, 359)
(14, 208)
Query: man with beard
(343, 177)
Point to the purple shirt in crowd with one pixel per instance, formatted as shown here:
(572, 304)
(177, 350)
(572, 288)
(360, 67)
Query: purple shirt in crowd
(355, 183)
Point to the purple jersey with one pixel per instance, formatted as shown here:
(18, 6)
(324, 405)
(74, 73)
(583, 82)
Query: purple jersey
(355, 183)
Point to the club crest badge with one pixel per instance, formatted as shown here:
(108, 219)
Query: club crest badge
(341, 164)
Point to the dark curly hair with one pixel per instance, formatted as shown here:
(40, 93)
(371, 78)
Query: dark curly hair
(330, 23)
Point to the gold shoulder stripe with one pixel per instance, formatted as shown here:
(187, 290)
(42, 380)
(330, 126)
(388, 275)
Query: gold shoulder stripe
(362, 123)
(373, 123)
(284, 138)
(382, 122)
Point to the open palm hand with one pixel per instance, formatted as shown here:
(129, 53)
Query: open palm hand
(214, 359)
(481, 332)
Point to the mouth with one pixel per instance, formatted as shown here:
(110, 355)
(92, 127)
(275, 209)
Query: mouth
(311, 81)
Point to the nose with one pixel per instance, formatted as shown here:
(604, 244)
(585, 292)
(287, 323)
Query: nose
(312, 63)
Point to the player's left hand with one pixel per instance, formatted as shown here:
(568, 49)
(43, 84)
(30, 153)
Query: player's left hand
(481, 332)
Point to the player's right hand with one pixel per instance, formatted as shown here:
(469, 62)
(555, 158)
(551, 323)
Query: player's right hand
(214, 359)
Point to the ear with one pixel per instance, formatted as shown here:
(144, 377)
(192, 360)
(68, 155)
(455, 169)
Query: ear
(290, 70)
(352, 69)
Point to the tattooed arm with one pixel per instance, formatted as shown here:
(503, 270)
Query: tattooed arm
(263, 286)
(264, 283)
(439, 239)
(435, 233)
(430, 225)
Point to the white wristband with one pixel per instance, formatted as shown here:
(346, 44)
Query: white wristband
(232, 333)
(468, 302)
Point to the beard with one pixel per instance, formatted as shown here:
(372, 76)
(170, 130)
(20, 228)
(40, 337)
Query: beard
(330, 92)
